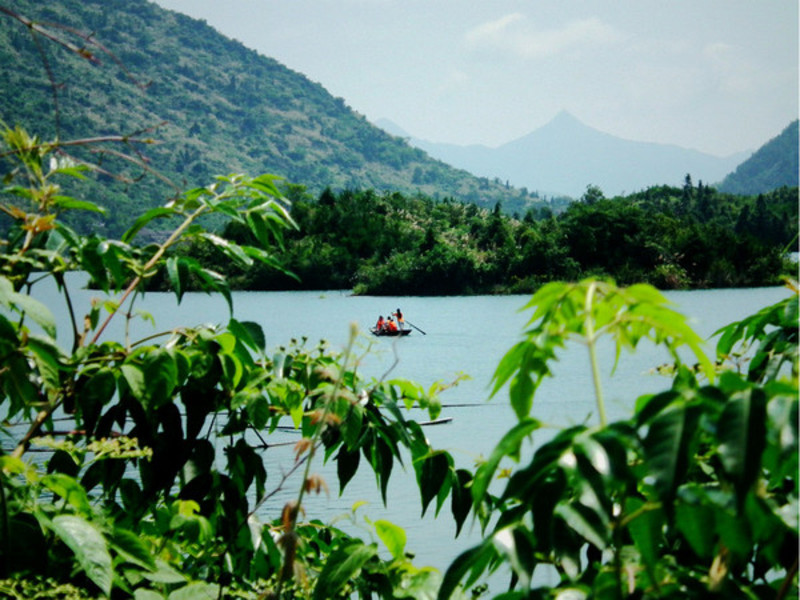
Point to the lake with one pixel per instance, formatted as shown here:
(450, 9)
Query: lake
(462, 334)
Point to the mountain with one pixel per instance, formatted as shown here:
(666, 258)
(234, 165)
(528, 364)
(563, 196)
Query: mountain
(213, 106)
(565, 156)
(772, 166)
(392, 128)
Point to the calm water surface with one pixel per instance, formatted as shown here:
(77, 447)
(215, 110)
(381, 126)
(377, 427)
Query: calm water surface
(463, 335)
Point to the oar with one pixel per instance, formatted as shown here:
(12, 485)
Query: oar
(415, 327)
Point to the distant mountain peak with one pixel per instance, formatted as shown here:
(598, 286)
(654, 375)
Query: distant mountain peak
(565, 155)
(564, 123)
(564, 117)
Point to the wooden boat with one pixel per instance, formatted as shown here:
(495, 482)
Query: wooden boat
(399, 332)
(439, 421)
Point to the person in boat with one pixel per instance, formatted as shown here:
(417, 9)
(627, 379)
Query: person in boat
(391, 326)
(380, 324)
(400, 322)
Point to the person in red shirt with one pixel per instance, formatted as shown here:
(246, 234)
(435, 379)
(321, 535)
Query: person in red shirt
(391, 326)
(380, 324)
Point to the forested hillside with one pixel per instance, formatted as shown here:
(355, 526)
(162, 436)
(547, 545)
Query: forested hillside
(212, 105)
(391, 244)
(773, 165)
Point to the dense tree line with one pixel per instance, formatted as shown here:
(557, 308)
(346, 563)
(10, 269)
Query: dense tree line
(383, 244)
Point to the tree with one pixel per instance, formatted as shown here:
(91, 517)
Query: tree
(592, 195)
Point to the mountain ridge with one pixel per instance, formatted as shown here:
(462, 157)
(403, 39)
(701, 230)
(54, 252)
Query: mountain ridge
(222, 108)
(775, 164)
(564, 156)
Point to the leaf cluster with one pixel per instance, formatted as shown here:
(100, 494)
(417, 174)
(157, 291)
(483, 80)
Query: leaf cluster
(694, 496)
(157, 471)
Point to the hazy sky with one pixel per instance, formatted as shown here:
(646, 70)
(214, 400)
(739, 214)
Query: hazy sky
(715, 75)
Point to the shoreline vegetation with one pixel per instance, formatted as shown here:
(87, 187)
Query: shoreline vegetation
(693, 237)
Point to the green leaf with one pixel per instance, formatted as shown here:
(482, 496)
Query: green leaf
(588, 523)
(645, 529)
(48, 357)
(69, 489)
(695, 519)
(89, 547)
(265, 183)
(434, 471)
(774, 328)
(474, 560)
(131, 495)
(197, 590)
(267, 259)
(165, 574)
(742, 438)
(508, 446)
(460, 498)
(17, 383)
(521, 393)
(668, 445)
(259, 228)
(346, 465)
(341, 565)
(153, 213)
(160, 373)
(134, 376)
(735, 534)
(9, 341)
(178, 274)
(508, 366)
(212, 280)
(73, 204)
(249, 333)
(71, 169)
(259, 412)
(296, 412)
(650, 405)
(380, 457)
(420, 585)
(230, 249)
(781, 457)
(36, 310)
(132, 549)
(393, 537)
(514, 543)
(144, 594)
(93, 393)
